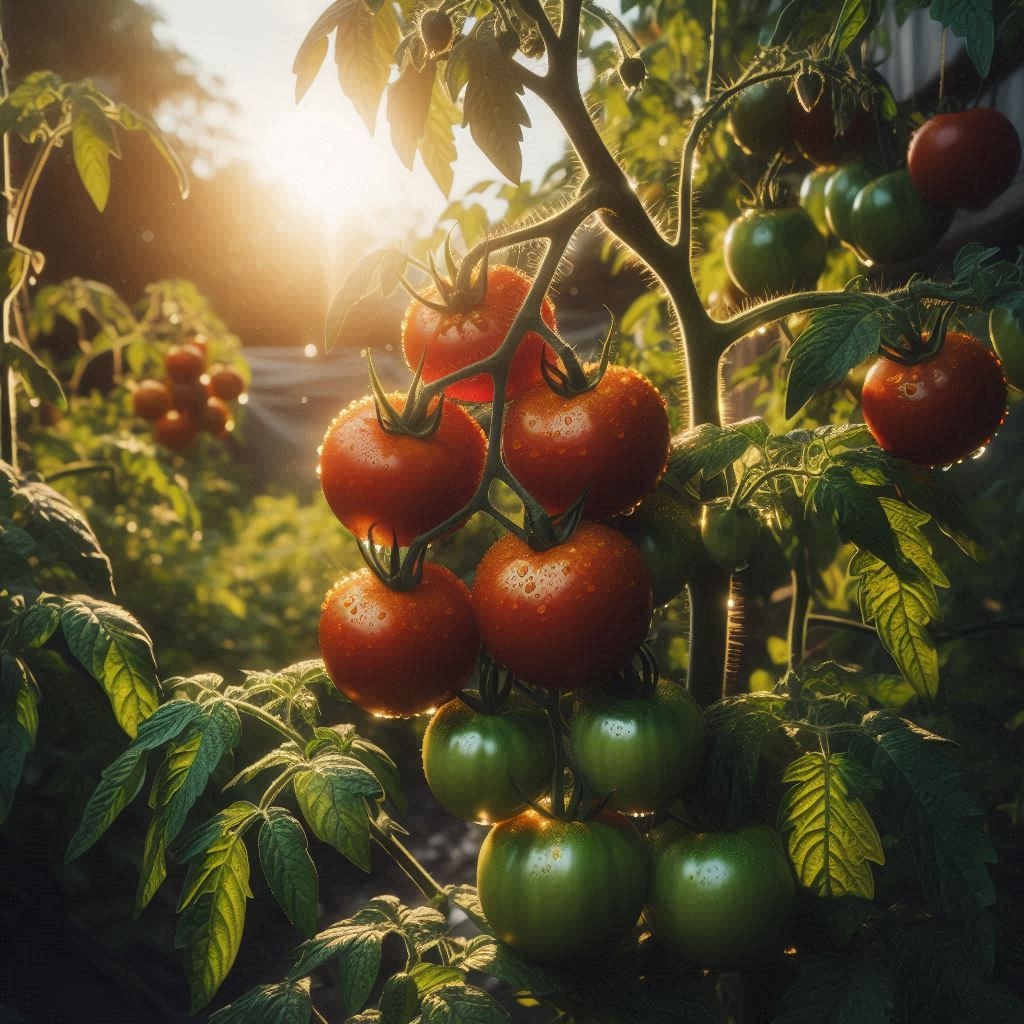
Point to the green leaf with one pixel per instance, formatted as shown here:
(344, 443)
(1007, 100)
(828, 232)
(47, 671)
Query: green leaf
(380, 763)
(363, 279)
(836, 339)
(332, 796)
(290, 871)
(488, 956)
(832, 836)
(901, 608)
(399, 1000)
(15, 263)
(833, 989)
(313, 48)
(855, 16)
(93, 142)
(33, 626)
(429, 977)
(285, 1003)
(115, 650)
(19, 720)
(437, 145)
(121, 781)
(284, 755)
(492, 107)
(925, 804)
(231, 818)
(364, 48)
(974, 22)
(209, 931)
(356, 949)
(133, 121)
(708, 450)
(462, 1004)
(408, 106)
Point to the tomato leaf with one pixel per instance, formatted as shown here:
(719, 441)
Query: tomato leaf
(355, 948)
(33, 626)
(463, 1004)
(833, 989)
(115, 650)
(36, 377)
(854, 18)
(372, 272)
(384, 768)
(93, 143)
(706, 449)
(19, 722)
(285, 1003)
(399, 999)
(364, 48)
(332, 796)
(133, 121)
(831, 835)
(974, 22)
(437, 145)
(926, 805)
(290, 871)
(488, 956)
(408, 106)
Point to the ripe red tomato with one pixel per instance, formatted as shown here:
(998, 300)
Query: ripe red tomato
(814, 132)
(216, 417)
(399, 653)
(187, 395)
(939, 411)
(394, 482)
(966, 158)
(184, 362)
(771, 252)
(151, 400)
(614, 438)
(457, 339)
(225, 383)
(177, 430)
(569, 616)
(562, 890)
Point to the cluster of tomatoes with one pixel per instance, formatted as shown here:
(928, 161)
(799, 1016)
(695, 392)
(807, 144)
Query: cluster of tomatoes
(563, 872)
(192, 399)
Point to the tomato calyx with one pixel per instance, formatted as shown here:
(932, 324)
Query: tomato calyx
(544, 531)
(571, 379)
(417, 419)
(638, 678)
(921, 345)
(387, 564)
(495, 685)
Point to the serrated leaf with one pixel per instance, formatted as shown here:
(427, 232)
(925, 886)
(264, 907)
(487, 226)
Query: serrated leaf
(972, 258)
(422, 926)
(286, 755)
(974, 22)
(836, 339)
(116, 651)
(18, 724)
(399, 999)
(289, 870)
(428, 977)
(708, 450)
(364, 48)
(227, 820)
(854, 17)
(362, 280)
(463, 1004)
(356, 947)
(833, 989)
(332, 796)
(133, 121)
(925, 804)
(488, 956)
(285, 1003)
(437, 145)
(384, 768)
(408, 105)
(93, 142)
(831, 835)
(209, 931)
(34, 626)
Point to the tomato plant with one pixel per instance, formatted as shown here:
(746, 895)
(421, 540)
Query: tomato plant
(399, 652)
(814, 132)
(484, 766)
(560, 891)
(184, 363)
(225, 383)
(812, 195)
(759, 119)
(399, 484)
(940, 410)
(611, 439)
(728, 533)
(151, 400)
(445, 342)
(569, 616)
(1007, 339)
(842, 188)
(964, 158)
(773, 251)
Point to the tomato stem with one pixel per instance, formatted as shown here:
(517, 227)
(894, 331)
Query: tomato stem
(411, 867)
(800, 605)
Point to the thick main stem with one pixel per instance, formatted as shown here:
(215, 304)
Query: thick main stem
(799, 607)
(8, 386)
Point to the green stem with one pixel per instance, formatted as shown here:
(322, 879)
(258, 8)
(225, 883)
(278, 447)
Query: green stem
(741, 497)
(839, 622)
(799, 607)
(254, 711)
(413, 869)
(554, 712)
(709, 85)
(8, 408)
(19, 208)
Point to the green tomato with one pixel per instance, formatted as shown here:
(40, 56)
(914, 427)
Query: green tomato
(812, 196)
(483, 767)
(1007, 336)
(645, 751)
(720, 899)
(759, 118)
(841, 189)
(728, 533)
(562, 890)
(891, 222)
(771, 252)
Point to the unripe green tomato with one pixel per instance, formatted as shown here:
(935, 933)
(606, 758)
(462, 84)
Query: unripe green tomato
(812, 196)
(644, 751)
(772, 252)
(759, 118)
(1007, 339)
(728, 533)
(841, 189)
(484, 767)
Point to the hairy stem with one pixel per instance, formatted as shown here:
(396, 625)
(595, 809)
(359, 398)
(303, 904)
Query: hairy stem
(413, 869)
(8, 410)
(799, 607)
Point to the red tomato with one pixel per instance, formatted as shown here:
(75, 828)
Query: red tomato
(457, 339)
(394, 482)
(225, 383)
(216, 417)
(177, 430)
(184, 362)
(965, 158)
(187, 395)
(566, 617)
(614, 438)
(399, 653)
(151, 400)
(814, 132)
(939, 411)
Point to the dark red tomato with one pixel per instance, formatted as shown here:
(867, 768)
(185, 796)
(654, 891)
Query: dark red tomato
(759, 118)
(560, 891)
(842, 188)
(965, 158)
(1006, 333)
(613, 438)
(399, 653)
(720, 899)
(177, 430)
(773, 252)
(225, 383)
(216, 417)
(891, 222)
(151, 400)
(939, 411)
(184, 362)
(454, 340)
(569, 616)
(814, 132)
(187, 396)
(644, 751)
(395, 483)
(484, 767)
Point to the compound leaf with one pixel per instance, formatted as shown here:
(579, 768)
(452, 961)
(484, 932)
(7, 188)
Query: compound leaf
(289, 869)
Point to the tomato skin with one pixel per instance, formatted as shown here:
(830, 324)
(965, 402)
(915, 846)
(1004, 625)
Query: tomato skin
(454, 340)
(645, 751)
(569, 616)
(769, 252)
(480, 766)
(184, 362)
(397, 483)
(216, 417)
(559, 891)
(720, 899)
(1008, 340)
(812, 195)
(939, 411)
(964, 158)
(667, 534)
(151, 400)
(891, 222)
(728, 534)
(759, 118)
(225, 384)
(613, 438)
(814, 132)
(399, 653)
(841, 189)
(177, 430)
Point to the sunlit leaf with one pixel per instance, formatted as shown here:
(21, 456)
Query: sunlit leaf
(706, 449)
(37, 378)
(308, 62)
(364, 49)
(408, 105)
(363, 279)
(93, 142)
(437, 146)
(852, 20)
(133, 121)
(462, 1004)
(284, 1003)
(290, 872)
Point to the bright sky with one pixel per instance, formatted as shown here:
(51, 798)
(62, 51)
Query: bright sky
(320, 147)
